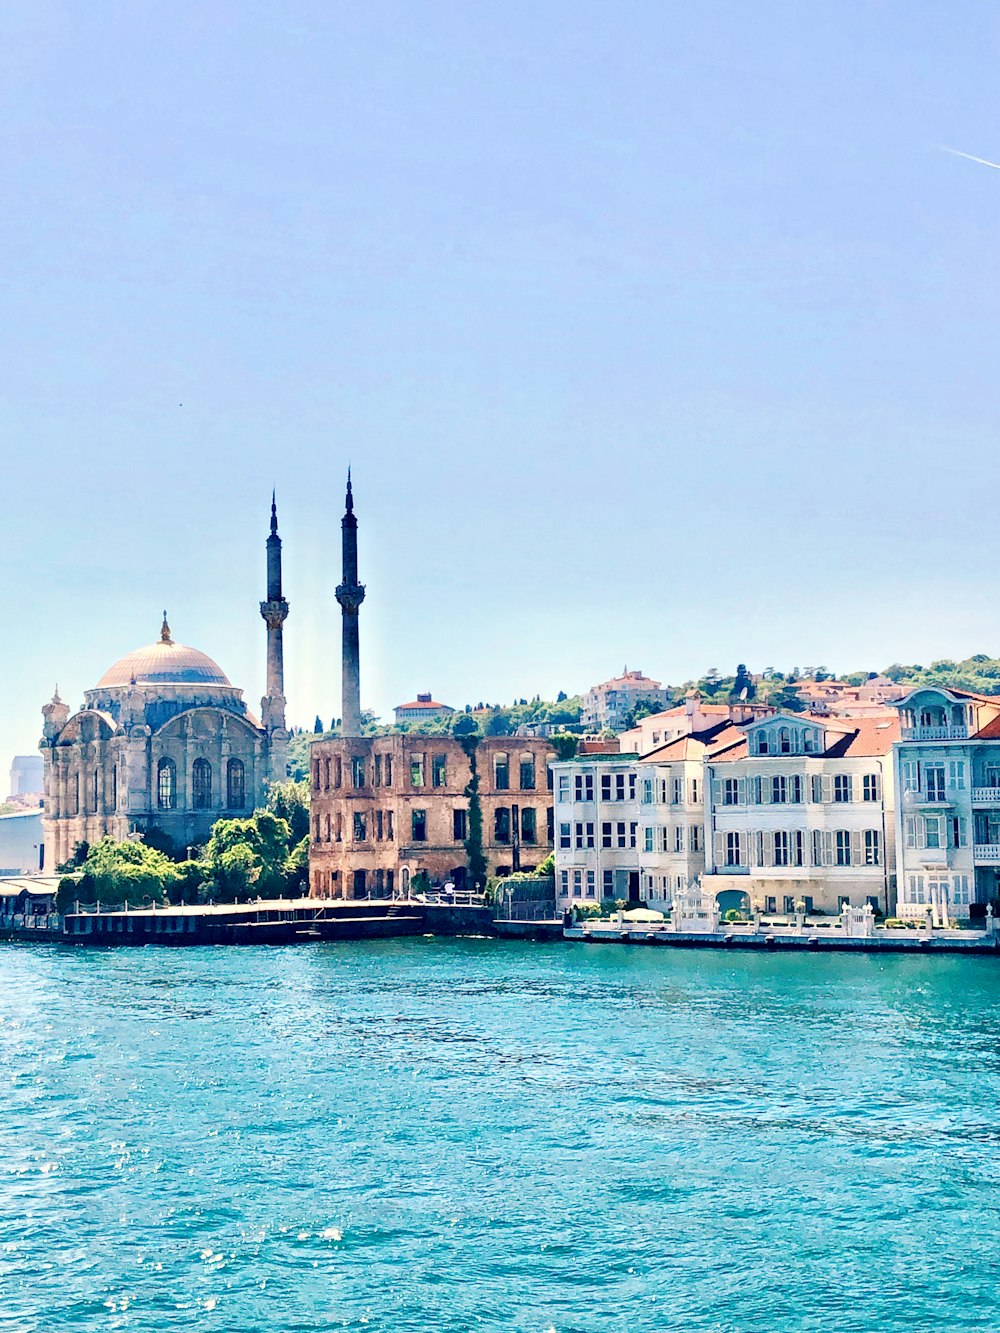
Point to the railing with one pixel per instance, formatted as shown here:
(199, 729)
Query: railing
(987, 851)
(936, 796)
(986, 796)
(952, 733)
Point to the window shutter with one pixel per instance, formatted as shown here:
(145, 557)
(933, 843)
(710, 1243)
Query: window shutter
(921, 833)
(767, 847)
(857, 858)
(963, 833)
(718, 849)
(828, 857)
(765, 791)
(817, 849)
(850, 786)
(716, 792)
(815, 788)
(741, 791)
(827, 786)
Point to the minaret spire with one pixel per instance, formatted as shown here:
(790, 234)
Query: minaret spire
(275, 611)
(350, 595)
(165, 631)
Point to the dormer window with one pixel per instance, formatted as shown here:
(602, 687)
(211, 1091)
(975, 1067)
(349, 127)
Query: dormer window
(785, 741)
(763, 745)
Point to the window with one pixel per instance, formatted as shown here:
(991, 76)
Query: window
(418, 825)
(795, 789)
(784, 741)
(622, 836)
(608, 883)
(565, 836)
(605, 786)
(934, 782)
(734, 851)
(360, 829)
(870, 790)
(114, 788)
(166, 784)
(529, 828)
(842, 842)
(416, 771)
(201, 784)
(633, 833)
(501, 772)
(378, 770)
(798, 848)
(563, 883)
(763, 744)
(679, 838)
(236, 785)
(315, 772)
(695, 791)
(843, 790)
(439, 770)
(731, 791)
(647, 791)
(577, 883)
(647, 839)
(388, 770)
(779, 790)
(677, 792)
(956, 774)
(326, 775)
(584, 786)
(959, 837)
(933, 832)
(817, 788)
(873, 851)
(501, 824)
(388, 826)
(782, 848)
(527, 774)
(357, 771)
(563, 786)
(631, 786)
(460, 825)
(591, 879)
(379, 825)
(606, 835)
(992, 775)
(694, 837)
(755, 790)
(584, 835)
(619, 786)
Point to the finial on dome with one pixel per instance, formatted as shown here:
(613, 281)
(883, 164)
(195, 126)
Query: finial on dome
(55, 696)
(165, 631)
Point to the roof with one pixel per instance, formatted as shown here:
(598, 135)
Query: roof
(423, 705)
(847, 738)
(167, 663)
(709, 710)
(693, 745)
(991, 732)
(629, 678)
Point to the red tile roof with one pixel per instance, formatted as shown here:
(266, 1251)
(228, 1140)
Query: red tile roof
(991, 732)
(424, 704)
(846, 737)
(693, 745)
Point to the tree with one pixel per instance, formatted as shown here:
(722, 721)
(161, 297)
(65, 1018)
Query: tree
(318, 725)
(464, 726)
(560, 696)
(115, 873)
(263, 840)
(290, 801)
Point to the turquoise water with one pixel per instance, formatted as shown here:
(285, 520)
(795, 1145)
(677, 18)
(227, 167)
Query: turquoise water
(451, 1135)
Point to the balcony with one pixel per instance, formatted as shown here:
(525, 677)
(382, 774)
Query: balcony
(986, 796)
(949, 733)
(986, 852)
(933, 858)
(937, 797)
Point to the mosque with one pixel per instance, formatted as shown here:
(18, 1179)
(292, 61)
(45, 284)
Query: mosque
(164, 744)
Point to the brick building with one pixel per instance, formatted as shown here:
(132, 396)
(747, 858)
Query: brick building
(386, 808)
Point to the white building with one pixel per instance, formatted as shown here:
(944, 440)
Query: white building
(688, 718)
(672, 812)
(607, 706)
(801, 807)
(947, 764)
(422, 709)
(596, 818)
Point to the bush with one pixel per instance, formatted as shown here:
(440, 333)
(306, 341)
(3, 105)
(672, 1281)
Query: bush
(734, 915)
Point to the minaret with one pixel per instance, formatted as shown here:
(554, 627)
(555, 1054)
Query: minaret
(350, 595)
(274, 612)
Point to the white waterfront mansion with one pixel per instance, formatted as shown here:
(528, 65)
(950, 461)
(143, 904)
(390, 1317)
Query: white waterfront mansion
(948, 822)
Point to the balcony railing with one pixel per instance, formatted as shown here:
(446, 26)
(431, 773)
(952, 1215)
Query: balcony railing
(936, 796)
(987, 851)
(951, 733)
(986, 796)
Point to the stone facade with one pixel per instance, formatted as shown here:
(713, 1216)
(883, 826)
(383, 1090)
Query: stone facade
(389, 807)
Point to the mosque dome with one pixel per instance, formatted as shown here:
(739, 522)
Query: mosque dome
(164, 663)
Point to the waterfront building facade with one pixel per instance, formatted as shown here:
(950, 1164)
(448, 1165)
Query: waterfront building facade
(164, 744)
(387, 810)
(596, 817)
(947, 770)
(606, 707)
(801, 807)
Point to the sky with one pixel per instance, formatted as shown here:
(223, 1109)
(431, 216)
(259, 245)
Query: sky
(656, 334)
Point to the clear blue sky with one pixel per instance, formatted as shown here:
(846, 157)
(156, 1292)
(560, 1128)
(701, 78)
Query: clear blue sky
(656, 333)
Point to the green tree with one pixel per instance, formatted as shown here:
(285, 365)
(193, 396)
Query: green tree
(290, 801)
(115, 873)
(245, 855)
(475, 856)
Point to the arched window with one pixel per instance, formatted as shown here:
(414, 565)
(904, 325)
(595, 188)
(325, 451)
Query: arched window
(785, 741)
(236, 784)
(96, 787)
(201, 784)
(166, 784)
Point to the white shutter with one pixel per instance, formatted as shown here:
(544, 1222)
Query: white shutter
(828, 857)
(857, 856)
(827, 785)
(767, 847)
(751, 785)
(741, 790)
(815, 788)
(817, 847)
(850, 786)
(716, 792)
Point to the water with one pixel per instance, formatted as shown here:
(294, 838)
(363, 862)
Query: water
(449, 1135)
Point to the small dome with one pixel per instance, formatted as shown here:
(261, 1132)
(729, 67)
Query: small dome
(165, 663)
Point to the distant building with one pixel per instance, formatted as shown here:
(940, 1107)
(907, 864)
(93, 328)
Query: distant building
(22, 845)
(422, 709)
(27, 776)
(608, 705)
(836, 698)
(693, 715)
